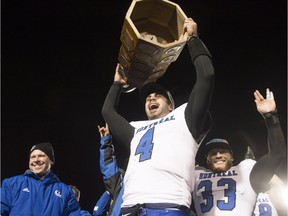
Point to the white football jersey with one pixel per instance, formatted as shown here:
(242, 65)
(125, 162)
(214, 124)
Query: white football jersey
(162, 161)
(225, 194)
(264, 206)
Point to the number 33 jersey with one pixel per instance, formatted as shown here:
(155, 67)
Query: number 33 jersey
(226, 193)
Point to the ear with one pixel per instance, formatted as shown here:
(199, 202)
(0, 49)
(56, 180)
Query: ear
(207, 159)
(170, 107)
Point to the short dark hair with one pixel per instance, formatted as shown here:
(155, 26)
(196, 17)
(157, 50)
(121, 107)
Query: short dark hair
(155, 88)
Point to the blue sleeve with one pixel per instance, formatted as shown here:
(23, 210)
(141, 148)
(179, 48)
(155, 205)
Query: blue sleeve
(108, 163)
(5, 198)
(73, 206)
(102, 205)
(112, 176)
(117, 204)
(84, 213)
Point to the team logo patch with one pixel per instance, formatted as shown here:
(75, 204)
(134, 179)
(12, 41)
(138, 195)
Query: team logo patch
(26, 190)
(58, 193)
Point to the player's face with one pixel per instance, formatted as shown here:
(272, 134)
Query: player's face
(39, 163)
(157, 106)
(219, 160)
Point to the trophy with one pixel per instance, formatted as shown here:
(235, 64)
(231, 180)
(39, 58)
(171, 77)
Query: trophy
(152, 37)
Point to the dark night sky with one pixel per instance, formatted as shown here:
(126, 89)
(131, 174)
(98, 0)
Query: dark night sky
(58, 61)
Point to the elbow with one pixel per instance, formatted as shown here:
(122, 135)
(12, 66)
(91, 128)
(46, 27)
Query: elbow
(210, 76)
(209, 72)
(205, 68)
(104, 113)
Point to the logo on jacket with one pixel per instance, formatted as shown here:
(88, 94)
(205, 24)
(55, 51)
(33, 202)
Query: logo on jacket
(26, 190)
(58, 193)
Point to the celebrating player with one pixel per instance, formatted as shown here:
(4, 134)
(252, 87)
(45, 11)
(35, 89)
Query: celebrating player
(263, 179)
(224, 189)
(163, 148)
(111, 200)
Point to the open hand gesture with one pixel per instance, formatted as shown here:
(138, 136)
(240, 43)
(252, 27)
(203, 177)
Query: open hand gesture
(265, 105)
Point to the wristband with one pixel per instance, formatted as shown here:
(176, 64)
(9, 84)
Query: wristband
(271, 118)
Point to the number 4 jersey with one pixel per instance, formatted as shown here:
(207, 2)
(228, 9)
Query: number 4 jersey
(162, 162)
(226, 193)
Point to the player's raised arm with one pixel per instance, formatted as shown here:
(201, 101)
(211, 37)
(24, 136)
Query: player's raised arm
(267, 165)
(117, 124)
(197, 112)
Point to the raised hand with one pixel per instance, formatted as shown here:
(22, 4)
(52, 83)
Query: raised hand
(265, 105)
(119, 76)
(104, 131)
(190, 27)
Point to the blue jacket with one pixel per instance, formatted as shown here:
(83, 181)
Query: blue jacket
(84, 213)
(113, 180)
(27, 195)
(103, 204)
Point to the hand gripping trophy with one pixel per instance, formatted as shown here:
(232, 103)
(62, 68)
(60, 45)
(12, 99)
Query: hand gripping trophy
(152, 37)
